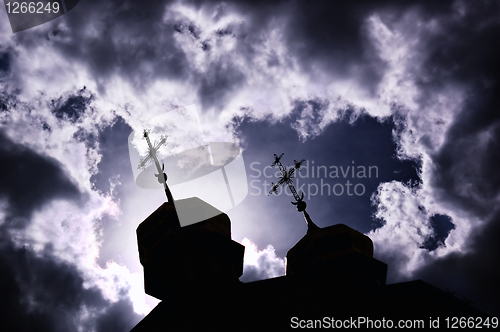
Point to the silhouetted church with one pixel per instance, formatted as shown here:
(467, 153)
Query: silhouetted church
(331, 279)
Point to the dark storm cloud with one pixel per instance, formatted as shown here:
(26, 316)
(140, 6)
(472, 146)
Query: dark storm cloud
(464, 53)
(441, 225)
(119, 316)
(333, 34)
(73, 107)
(218, 84)
(40, 293)
(473, 183)
(136, 42)
(473, 275)
(6, 101)
(469, 178)
(139, 42)
(117, 38)
(4, 62)
(113, 146)
(466, 48)
(29, 180)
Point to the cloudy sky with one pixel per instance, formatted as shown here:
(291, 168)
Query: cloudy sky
(407, 89)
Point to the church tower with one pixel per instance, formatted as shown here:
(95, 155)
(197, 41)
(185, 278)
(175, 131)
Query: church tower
(179, 260)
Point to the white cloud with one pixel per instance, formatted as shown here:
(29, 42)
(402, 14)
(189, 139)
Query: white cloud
(405, 228)
(261, 264)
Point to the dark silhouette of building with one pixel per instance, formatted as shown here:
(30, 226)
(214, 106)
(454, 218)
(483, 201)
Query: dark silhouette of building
(332, 280)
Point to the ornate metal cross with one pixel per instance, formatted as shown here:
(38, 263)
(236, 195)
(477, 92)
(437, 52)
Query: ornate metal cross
(161, 176)
(286, 177)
